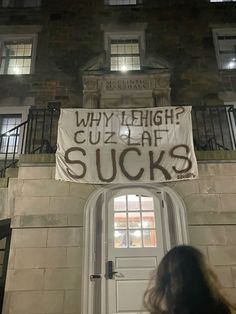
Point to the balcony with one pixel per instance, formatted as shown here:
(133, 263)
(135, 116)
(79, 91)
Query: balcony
(214, 135)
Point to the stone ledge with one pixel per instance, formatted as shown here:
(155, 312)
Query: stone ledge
(211, 218)
(47, 221)
(4, 183)
(216, 156)
(29, 160)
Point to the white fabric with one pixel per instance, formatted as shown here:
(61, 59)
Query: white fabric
(121, 146)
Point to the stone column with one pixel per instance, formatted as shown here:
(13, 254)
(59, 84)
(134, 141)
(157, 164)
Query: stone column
(160, 99)
(91, 100)
(91, 92)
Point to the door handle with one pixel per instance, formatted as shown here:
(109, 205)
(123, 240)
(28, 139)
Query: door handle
(110, 273)
(95, 277)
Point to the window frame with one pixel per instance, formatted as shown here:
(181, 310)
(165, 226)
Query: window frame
(124, 35)
(221, 1)
(124, 55)
(23, 111)
(138, 2)
(21, 6)
(222, 32)
(20, 38)
(156, 228)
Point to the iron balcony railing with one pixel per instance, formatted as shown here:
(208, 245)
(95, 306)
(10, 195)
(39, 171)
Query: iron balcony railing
(37, 134)
(214, 128)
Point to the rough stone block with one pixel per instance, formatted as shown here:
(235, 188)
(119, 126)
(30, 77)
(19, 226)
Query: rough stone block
(4, 182)
(56, 257)
(36, 302)
(4, 205)
(211, 218)
(225, 169)
(206, 169)
(65, 237)
(35, 173)
(11, 259)
(225, 184)
(28, 205)
(15, 187)
(53, 172)
(234, 275)
(228, 202)
(66, 205)
(207, 235)
(185, 188)
(29, 238)
(45, 188)
(76, 220)
(40, 258)
(62, 279)
(203, 202)
(49, 220)
(207, 185)
(81, 190)
(72, 301)
(224, 275)
(222, 256)
(25, 279)
(231, 234)
(74, 257)
(37, 159)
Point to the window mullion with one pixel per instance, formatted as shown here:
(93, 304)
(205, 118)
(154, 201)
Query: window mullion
(7, 61)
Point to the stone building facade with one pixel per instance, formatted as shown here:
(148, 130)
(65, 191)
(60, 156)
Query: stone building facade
(184, 53)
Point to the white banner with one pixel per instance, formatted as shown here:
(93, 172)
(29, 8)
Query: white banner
(118, 145)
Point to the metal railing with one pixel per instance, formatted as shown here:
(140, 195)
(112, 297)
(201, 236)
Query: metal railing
(37, 134)
(11, 146)
(42, 131)
(214, 128)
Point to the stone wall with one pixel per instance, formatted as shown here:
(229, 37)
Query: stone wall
(4, 197)
(71, 36)
(44, 271)
(211, 211)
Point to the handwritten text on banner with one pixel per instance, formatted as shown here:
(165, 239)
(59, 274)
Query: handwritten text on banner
(118, 146)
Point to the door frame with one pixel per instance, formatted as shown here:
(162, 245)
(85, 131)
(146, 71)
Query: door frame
(181, 231)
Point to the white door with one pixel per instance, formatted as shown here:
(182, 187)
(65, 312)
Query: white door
(134, 248)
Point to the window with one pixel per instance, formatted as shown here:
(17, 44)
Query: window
(10, 117)
(124, 46)
(225, 46)
(17, 55)
(125, 55)
(10, 141)
(134, 222)
(123, 2)
(21, 3)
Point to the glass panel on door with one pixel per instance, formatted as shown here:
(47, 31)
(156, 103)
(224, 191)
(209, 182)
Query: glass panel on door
(134, 222)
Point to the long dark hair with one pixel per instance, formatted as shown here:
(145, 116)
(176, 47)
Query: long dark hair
(184, 284)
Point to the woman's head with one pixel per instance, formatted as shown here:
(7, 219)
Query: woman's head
(185, 284)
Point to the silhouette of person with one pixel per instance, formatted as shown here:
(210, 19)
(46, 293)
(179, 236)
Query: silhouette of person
(185, 284)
